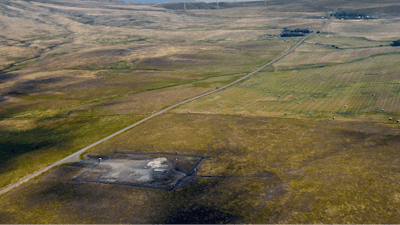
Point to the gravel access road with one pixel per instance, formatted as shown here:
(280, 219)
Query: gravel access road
(75, 156)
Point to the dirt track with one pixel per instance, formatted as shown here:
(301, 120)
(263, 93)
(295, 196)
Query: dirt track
(75, 156)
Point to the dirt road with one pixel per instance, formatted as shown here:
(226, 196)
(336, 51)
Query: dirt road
(75, 156)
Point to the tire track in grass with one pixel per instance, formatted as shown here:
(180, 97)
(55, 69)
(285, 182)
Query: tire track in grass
(321, 105)
(329, 73)
(397, 104)
(308, 84)
(258, 105)
(368, 98)
(323, 87)
(390, 83)
(397, 91)
(257, 93)
(396, 99)
(379, 81)
(288, 86)
(336, 91)
(254, 93)
(357, 97)
(312, 88)
(344, 93)
(289, 93)
(301, 96)
(300, 93)
(383, 94)
(264, 84)
(376, 88)
(276, 91)
(348, 94)
(369, 90)
(355, 91)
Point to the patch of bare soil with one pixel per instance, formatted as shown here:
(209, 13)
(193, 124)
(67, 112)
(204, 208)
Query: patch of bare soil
(155, 171)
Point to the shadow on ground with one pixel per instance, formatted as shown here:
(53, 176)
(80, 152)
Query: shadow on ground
(16, 143)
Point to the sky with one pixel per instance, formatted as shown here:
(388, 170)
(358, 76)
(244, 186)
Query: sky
(164, 1)
(158, 1)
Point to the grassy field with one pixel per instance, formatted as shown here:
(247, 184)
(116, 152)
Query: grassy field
(72, 77)
(324, 172)
(379, 29)
(348, 84)
(73, 72)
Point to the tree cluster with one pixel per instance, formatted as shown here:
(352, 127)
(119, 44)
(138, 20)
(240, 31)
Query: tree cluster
(396, 43)
(350, 15)
(294, 33)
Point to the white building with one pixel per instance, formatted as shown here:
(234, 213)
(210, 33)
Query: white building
(157, 163)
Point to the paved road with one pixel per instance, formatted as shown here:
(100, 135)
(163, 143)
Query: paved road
(75, 156)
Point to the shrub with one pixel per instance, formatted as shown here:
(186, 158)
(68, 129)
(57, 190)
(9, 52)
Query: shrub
(396, 43)
(294, 33)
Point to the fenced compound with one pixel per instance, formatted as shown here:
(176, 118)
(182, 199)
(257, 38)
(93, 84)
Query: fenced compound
(132, 169)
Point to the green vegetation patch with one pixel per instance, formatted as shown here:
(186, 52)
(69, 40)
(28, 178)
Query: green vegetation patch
(120, 40)
(365, 87)
(23, 152)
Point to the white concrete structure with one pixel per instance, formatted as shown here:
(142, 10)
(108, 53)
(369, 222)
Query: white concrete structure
(156, 163)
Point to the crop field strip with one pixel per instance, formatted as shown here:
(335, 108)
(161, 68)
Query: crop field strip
(352, 96)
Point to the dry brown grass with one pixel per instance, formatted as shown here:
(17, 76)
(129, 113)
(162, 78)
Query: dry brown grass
(77, 75)
(314, 54)
(379, 29)
(149, 102)
(17, 124)
(311, 162)
(323, 172)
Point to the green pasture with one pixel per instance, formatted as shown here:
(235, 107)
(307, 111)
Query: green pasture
(362, 88)
(51, 138)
